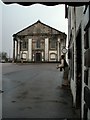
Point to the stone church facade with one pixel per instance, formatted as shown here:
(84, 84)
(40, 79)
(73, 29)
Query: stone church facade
(38, 43)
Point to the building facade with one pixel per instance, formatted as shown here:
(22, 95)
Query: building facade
(38, 43)
(78, 56)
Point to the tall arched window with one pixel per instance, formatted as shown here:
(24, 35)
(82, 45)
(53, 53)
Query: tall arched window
(38, 44)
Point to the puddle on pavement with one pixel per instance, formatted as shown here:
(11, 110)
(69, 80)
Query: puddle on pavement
(13, 101)
(37, 98)
(25, 108)
(54, 101)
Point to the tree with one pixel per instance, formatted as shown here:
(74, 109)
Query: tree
(3, 55)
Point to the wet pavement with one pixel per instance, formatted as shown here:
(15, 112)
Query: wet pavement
(33, 91)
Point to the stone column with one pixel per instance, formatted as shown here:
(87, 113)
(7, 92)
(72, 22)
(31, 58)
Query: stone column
(30, 49)
(46, 49)
(17, 50)
(13, 49)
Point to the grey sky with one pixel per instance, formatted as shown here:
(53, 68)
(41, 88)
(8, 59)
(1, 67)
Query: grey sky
(16, 17)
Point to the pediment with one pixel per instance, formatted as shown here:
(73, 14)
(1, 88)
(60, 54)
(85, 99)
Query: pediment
(38, 28)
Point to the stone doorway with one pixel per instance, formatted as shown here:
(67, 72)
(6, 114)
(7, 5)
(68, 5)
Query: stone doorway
(38, 57)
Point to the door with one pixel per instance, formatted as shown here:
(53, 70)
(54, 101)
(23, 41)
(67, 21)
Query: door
(38, 57)
(79, 69)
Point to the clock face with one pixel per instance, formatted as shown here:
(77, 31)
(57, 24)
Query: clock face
(64, 50)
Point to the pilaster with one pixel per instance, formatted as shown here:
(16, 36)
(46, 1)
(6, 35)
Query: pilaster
(46, 48)
(30, 49)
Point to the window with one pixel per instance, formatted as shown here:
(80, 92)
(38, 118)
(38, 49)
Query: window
(24, 45)
(86, 40)
(38, 44)
(86, 77)
(52, 43)
(53, 56)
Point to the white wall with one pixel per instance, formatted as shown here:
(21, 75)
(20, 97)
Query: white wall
(72, 17)
(88, 114)
(69, 22)
(85, 19)
(81, 19)
(79, 15)
(72, 29)
(83, 84)
(0, 89)
(73, 90)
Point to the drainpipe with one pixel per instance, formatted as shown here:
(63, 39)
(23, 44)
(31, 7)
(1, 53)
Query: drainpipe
(58, 42)
(75, 61)
(83, 84)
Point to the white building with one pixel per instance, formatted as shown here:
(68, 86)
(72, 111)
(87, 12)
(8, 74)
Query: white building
(38, 43)
(78, 55)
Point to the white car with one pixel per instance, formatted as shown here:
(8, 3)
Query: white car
(2, 60)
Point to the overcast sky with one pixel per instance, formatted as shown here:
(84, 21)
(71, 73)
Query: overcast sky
(16, 17)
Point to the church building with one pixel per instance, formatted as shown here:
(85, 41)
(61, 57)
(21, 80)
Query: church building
(38, 43)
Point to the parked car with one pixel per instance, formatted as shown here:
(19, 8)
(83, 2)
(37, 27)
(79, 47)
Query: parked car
(10, 60)
(2, 61)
